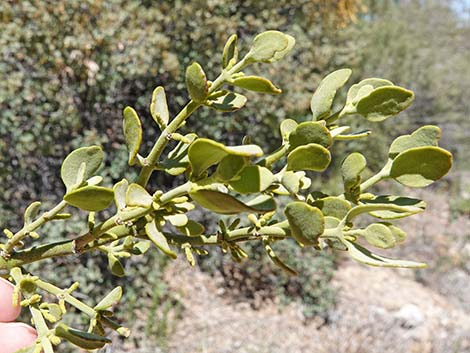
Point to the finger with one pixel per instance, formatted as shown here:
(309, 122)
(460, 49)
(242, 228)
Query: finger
(8, 312)
(16, 335)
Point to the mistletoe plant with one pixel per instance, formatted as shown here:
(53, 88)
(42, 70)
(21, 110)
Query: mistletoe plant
(229, 180)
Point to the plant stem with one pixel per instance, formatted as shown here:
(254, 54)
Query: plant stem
(41, 328)
(276, 155)
(165, 136)
(67, 297)
(24, 232)
(383, 174)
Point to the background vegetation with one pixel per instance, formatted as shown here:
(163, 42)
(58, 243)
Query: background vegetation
(68, 68)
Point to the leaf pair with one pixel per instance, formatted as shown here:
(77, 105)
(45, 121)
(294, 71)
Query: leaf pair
(204, 153)
(77, 171)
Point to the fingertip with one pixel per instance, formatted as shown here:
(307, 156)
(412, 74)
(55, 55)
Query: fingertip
(16, 335)
(8, 312)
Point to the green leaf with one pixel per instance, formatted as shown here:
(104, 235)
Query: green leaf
(82, 339)
(322, 99)
(90, 198)
(310, 132)
(177, 160)
(351, 168)
(287, 127)
(137, 196)
(293, 182)
(384, 102)
(120, 190)
(252, 179)
(196, 83)
(230, 54)
(270, 46)
(421, 166)
(397, 233)
(31, 212)
(306, 222)
(204, 153)
(192, 229)
(333, 206)
(353, 136)
(92, 157)
(364, 256)
(223, 203)
(379, 235)
(413, 206)
(256, 84)
(427, 135)
(389, 204)
(159, 107)
(159, 239)
(111, 299)
(230, 166)
(309, 157)
(177, 220)
(132, 133)
(227, 102)
(353, 93)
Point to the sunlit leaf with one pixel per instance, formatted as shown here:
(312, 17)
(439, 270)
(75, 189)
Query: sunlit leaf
(322, 99)
(159, 107)
(90, 198)
(92, 157)
(132, 133)
(196, 83)
(256, 84)
(159, 239)
(427, 135)
(306, 222)
(421, 166)
(309, 157)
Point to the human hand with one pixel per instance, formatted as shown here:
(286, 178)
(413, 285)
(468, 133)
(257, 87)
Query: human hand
(13, 335)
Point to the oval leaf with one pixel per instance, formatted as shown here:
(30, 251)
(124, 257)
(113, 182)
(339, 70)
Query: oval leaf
(159, 239)
(137, 196)
(306, 222)
(132, 133)
(31, 212)
(204, 153)
(379, 235)
(384, 102)
(159, 107)
(333, 206)
(92, 157)
(90, 198)
(230, 54)
(196, 83)
(270, 46)
(428, 135)
(309, 157)
(421, 166)
(287, 127)
(353, 93)
(256, 84)
(310, 132)
(322, 99)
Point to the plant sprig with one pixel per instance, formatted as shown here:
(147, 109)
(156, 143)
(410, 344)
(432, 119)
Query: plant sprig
(228, 180)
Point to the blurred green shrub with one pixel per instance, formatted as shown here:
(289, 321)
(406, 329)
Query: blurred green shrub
(70, 67)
